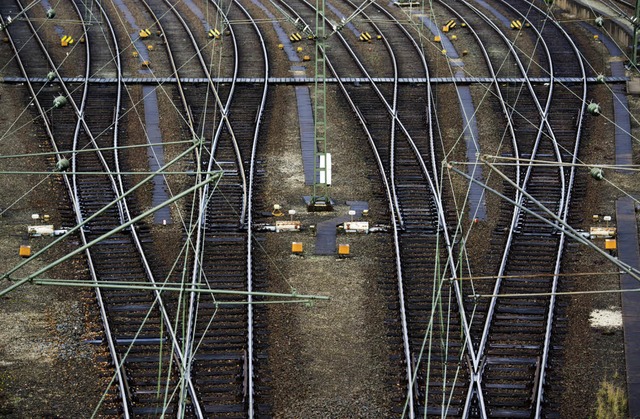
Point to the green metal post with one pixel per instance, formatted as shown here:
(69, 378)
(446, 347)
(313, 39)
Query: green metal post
(320, 198)
(636, 29)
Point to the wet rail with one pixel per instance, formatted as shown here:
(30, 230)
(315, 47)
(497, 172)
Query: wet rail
(220, 332)
(514, 343)
(133, 320)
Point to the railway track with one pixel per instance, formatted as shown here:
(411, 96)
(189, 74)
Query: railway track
(220, 332)
(458, 354)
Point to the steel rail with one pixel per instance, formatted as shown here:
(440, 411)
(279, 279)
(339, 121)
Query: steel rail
(122, 384)
(249, 215)
(118, 188)
(435, 194)
(196, 273)
(505, 112)
(247, 199)
(516, 214)
(564, 216)
(563, 209)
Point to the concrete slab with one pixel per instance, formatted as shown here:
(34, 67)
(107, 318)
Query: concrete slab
(628, 252)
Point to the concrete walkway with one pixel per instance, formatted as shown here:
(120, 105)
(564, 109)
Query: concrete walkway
(628, 253)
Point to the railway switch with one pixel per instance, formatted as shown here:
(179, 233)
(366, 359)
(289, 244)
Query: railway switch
(365, 37)
(295, 37)
(516, 24)
(66, 41)
(214, 33)
(144, 33)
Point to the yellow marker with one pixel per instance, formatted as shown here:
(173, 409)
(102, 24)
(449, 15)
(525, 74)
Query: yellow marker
(296, 247)
(25, 251)
(66, 41)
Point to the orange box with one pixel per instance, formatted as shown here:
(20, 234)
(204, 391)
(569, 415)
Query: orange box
(296, 247)
(610, 244)
(25, 251)
(343, 249)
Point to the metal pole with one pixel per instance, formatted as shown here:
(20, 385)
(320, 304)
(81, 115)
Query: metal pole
(321, 170)
(171, 288)
(102, 210)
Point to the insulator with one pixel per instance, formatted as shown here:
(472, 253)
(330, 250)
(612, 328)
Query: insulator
(59, 101)
(599, 21)
(51, 13)
(593, 108)
(62, 165)
(51, 75)
(597, 173)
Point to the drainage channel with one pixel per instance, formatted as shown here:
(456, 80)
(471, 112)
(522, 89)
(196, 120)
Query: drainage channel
(152, 123)
(476, 198)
